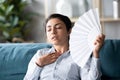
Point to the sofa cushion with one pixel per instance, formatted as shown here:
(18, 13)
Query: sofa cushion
(14, 59)
(110, 59)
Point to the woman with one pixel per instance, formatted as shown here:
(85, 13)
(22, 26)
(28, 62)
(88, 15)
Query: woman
(56, 63)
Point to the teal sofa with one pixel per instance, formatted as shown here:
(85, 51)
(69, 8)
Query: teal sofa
(110, 60)
(14, 59)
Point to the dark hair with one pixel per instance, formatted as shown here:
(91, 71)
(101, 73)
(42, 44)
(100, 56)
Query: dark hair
(63, 18)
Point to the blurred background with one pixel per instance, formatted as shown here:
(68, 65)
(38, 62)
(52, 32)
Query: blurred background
(23, 20)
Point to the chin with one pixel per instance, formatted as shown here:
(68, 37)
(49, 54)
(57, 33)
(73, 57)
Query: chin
(55, 43)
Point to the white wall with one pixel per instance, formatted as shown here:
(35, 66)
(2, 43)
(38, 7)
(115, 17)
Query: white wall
(37, 28)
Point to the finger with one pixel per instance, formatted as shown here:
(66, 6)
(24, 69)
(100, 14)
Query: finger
(97, 40)
(102, 36)
(57, 54)
(52, 55)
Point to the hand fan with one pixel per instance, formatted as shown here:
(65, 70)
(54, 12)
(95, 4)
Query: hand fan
(83, 35)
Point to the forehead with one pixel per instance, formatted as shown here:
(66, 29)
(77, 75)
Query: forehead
(54, 21)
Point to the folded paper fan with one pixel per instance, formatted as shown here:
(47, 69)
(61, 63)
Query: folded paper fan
(83, 35)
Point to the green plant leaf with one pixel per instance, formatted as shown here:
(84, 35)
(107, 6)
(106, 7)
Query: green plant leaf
(16, 31)
(14, 21)
(2, 28)
(2, 9)
(2, 1)
(6, 34)
(7, 25)
(2, 19)
(9, 9)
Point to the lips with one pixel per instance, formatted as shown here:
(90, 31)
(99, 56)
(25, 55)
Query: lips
(53, 38)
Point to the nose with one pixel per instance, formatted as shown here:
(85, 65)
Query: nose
(53, 31)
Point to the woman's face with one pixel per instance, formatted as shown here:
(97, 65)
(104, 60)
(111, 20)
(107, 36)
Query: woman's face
(57, 33)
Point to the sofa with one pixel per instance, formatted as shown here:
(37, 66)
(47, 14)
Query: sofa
(110, 60)
(14, 59)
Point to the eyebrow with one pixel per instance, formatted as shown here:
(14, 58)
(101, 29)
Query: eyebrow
(54, 25)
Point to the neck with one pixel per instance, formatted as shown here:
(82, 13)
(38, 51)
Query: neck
(61, 48)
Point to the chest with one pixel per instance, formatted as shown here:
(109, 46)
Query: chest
(59, 69)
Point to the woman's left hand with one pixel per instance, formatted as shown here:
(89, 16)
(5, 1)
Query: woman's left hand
(98, 44)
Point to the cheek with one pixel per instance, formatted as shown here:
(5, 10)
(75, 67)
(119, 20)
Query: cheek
(64, 34)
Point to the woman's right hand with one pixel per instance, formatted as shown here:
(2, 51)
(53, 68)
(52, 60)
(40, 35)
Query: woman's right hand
(47, 59)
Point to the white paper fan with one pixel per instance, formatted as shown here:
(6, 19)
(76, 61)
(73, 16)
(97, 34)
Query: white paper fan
(83, 35)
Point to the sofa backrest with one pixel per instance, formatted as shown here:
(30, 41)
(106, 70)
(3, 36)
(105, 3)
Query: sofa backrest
(110, 60)
(14, 59)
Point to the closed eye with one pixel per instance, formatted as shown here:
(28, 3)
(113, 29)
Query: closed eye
(48, 28)
(58, 27)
